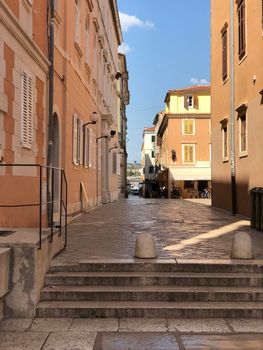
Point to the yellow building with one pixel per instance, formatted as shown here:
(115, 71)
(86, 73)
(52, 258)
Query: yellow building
(183, 139)
(237, 103)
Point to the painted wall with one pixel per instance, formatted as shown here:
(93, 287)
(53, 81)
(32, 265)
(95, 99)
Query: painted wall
(247, 91)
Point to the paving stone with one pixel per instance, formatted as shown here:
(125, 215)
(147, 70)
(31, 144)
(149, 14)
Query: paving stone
(15, 325)
(50, 324)
(206, 325)
(247, 325)
(142, 325)
(182, 229)
(223, 342)
(137, 341)
(70, 341)
(22, 340)
(94, 325)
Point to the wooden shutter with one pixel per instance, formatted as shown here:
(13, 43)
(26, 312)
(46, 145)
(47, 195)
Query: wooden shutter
(196, 100)
(241, 30)
(27, 111)
(185, 102)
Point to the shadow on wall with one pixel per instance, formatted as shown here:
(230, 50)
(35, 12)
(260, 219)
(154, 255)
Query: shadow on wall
(222, 196)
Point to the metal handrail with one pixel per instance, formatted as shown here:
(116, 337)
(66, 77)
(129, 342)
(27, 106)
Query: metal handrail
(63, 204)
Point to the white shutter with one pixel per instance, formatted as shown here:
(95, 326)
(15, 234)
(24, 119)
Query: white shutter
(27, 111)
(80, 135)
(74, 139)
(91, 148)
(86, 148)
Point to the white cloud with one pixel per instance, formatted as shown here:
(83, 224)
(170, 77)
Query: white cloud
(202, 81)
(128, 22)
(124, 48)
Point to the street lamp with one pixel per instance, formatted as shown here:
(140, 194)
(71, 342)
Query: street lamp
(94, 119)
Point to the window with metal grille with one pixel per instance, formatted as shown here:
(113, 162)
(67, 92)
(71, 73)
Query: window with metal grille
(188, 153)
(224, 55)
(86, 147)
(241, 29)
(27, 111)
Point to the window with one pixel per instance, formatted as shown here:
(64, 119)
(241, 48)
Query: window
(27, 111)
(77, 140)
(153, 155)
(87, 39)
(153, 139)
(114, 163)
(224, 55)
(86, 147)
(151, 169)
(241, 29)
(77, 22)
(262, 14)
(92, 148)
(225, 139)
(190, 102)
(188, 153)
(243, 133)
(188, 126)
(189, 184)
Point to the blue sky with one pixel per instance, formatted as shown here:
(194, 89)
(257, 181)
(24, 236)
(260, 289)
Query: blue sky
(168, 44)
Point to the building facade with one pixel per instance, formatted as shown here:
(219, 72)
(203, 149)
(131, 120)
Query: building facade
(237, 102)
(124, 100)
(184, 141)
(24, 69)
(148, 155)
(60, 109)
(87, 36)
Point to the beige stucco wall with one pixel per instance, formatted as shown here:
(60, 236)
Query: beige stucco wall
(248, 168)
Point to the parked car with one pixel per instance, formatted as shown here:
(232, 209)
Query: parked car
(136, 190)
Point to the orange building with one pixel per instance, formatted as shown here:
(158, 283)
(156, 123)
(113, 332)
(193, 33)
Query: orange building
(87, 36)
(237, 109)
(58, 106)
(24, 68)
(183, 141)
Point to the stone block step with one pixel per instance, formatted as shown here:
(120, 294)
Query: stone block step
(159, 265)
(151, 278)
(149, 309)
(150, 293)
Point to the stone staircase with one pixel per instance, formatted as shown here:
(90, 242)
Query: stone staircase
(159, 289)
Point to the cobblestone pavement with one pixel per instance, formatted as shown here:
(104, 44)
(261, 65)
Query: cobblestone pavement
(131, 334)
(183, 229)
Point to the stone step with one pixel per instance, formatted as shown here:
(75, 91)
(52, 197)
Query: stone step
(159, 265)
(151, 278)
(150, 293)
(149, 309)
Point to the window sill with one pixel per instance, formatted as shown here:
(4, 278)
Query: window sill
(225, 81)
(243, 154)
(225, 160)
(242, 59)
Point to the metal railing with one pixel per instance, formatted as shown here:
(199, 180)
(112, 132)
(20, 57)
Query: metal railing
(61, 200)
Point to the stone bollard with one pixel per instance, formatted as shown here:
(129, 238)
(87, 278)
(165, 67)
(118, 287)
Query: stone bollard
(242, 247)
(145, 246)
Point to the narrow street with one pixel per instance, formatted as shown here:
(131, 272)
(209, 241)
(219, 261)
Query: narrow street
(185, 229)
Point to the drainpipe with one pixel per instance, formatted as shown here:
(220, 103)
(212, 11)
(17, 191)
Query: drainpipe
(50, 107)
(232, 110)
